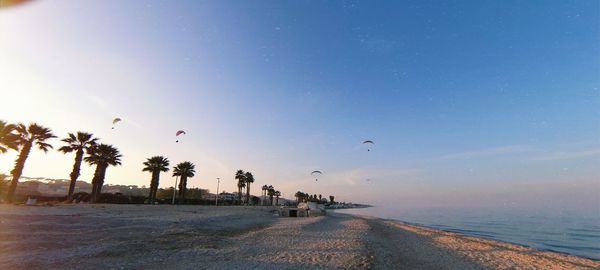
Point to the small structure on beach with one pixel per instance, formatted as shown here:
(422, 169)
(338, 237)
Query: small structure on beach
(31, 201)
(304, 209)
(293, 212)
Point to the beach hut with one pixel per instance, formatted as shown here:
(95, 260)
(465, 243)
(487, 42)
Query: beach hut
(310, 209)
(293, 212)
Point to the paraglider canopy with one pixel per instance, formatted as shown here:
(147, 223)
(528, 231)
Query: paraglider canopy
(316, 172)
(179, 132)
(368, 142)
(115, 121)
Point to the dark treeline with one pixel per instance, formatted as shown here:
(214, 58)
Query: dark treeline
(305, 197)
(86, 148)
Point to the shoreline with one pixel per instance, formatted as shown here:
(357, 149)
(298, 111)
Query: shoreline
(493, 253)
(510, 233)
(239, 237)
(461, 233)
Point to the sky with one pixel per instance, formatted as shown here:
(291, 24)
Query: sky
(469, 103)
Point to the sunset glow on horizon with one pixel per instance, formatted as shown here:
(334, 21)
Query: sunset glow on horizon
(281, 90)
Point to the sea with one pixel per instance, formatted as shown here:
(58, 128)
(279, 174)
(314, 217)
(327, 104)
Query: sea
(575, 232)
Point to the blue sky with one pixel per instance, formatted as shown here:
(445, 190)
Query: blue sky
(465, 100)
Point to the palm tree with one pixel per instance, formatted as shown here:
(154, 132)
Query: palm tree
(241, 186)
(331, 197)
(271, 193)
(78, 144)
(240, 176)
(277, 194)
(155, 165)
(301, 196)
(101, 155)
(8, 140)
(183, 170)
(264, 193)
(26, 137)
(249, 178)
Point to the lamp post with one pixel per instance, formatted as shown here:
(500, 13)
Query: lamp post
(174, 190)
(217, 194)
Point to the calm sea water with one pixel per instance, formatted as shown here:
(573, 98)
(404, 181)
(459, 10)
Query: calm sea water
(567, 231)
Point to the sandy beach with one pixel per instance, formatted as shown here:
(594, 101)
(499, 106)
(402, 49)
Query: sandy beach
(201, 237)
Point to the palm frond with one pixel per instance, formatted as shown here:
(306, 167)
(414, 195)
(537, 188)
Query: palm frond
(8, 139)
(104, 154)
(72, 137)
(240, 175)
(93, 141)
(40, 134)
(67, 140)
(248, 177)
(66, 149)
(83, 137)
(185, 168)
(21, 133)
(82, 140)
(44, 146)
(156, 163)
(4, 125)
(21, 128)
(6, 129)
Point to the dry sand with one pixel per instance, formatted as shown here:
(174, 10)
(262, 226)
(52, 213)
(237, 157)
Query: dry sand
(202, 237)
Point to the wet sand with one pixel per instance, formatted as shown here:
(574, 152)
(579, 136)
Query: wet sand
(203, 237)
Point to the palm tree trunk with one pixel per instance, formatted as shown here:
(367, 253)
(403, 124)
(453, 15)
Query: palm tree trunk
(182, 188)
(101, 181)
(95, 181)
(153, 187)
(247, 193)
(18, 170)
(75, 174)
(179, 189)
(156, 181)
(94, 186)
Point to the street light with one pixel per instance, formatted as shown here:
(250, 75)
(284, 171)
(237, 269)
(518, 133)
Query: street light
(217, 194)
(174, 190)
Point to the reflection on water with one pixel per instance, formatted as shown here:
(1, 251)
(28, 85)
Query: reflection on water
(573, 232)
